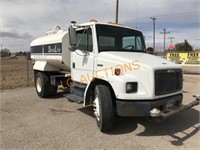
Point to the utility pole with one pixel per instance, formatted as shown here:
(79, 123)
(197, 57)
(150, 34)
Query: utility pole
(154, 30)
(117, 11)
(171, 42)
(164, 33)
(1, 47)
(171, 39)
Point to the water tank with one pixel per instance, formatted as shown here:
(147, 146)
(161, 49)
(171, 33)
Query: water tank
(52, 50)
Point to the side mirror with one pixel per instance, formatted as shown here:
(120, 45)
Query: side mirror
(72, 39)
(150, 50)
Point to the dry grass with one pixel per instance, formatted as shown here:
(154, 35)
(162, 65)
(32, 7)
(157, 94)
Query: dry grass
(14, 73)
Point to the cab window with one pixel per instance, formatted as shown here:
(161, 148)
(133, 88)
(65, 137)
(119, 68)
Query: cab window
(84, 40)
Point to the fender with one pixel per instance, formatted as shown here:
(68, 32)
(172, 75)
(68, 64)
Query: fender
(44, 66)
(90, 89)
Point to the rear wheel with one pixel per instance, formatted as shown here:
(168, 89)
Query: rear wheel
(42, 84)
(103, 107)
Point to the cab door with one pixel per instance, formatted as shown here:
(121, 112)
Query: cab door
(82, 60)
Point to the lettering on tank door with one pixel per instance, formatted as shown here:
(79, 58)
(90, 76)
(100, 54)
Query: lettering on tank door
(53, 48)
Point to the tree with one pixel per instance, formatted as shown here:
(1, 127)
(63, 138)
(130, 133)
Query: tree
(184, 46)
(5, 52)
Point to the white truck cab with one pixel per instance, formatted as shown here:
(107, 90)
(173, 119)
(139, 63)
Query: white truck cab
(106, 65)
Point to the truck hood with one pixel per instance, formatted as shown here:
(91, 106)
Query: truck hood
(146, 61)
(135, 67)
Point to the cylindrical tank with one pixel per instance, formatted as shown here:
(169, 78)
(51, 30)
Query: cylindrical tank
(52, 49)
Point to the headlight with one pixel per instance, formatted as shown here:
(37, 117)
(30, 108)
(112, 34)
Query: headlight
(131, 87)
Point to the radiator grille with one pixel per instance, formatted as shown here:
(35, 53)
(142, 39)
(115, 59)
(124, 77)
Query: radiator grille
(168, 81)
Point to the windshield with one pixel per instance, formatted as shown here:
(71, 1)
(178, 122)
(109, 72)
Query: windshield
(111, 38)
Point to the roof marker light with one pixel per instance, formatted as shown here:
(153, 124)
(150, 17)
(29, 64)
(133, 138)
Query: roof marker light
(93, 20)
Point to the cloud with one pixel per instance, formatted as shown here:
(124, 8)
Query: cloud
(15, 35)
(28, 19)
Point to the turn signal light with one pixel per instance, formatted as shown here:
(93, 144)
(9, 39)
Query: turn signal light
(117, 71)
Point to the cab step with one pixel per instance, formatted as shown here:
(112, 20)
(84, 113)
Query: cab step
(75, 98)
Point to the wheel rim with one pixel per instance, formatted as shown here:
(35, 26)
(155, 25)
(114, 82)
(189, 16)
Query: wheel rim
(39, 84)
(96, 108)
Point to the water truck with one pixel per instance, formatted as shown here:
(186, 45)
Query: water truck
(106, 66)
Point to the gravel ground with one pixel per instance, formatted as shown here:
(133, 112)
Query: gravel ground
(29, 122)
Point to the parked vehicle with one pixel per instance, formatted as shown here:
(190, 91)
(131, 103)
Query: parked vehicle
(106, 65)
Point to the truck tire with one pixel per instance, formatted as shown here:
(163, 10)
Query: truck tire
(103, 108)
(42, 84)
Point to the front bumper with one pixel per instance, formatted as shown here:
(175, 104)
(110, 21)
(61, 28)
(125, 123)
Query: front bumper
(171, 112)
(142, 108)
(157, 109)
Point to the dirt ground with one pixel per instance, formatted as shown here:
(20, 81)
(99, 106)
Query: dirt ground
(14, 73)
(32, 123)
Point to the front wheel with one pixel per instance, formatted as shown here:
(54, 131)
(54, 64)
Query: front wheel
(103, 107)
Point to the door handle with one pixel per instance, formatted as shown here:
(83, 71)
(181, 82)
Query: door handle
(73, 65)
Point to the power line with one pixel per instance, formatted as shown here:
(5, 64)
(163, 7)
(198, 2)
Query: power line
(107, 5)
(179, 14)
(165, 15)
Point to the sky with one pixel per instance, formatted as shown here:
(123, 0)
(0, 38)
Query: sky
(21, 21)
